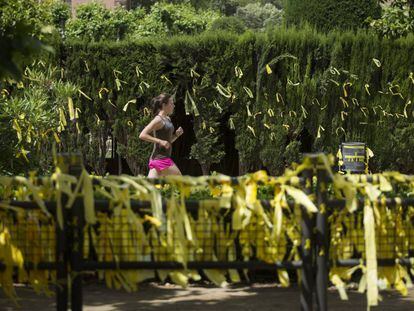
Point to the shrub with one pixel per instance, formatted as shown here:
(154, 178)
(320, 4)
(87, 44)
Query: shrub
(259, 16)
(94, 22)
(330, 14)
(397, 20)
(229, 23)
(174, 19)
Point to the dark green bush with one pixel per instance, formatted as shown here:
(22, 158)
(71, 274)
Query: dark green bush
(229, 23)
(330, 14)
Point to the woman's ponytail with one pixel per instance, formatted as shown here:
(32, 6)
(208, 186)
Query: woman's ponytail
(158, 101)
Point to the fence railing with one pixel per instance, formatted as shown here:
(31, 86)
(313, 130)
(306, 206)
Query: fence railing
(330, 238)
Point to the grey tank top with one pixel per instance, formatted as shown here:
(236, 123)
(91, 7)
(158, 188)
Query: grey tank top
(164, 133)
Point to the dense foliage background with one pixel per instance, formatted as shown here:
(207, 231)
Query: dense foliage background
(252, 91)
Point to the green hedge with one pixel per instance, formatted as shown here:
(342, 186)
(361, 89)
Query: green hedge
(324, 89)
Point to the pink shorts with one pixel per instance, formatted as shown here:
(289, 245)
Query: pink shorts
(161, 164)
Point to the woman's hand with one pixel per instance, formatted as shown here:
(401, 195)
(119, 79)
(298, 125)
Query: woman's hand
(165, 144)
(179, 132)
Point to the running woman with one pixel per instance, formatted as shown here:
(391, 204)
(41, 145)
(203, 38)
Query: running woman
(160, 131)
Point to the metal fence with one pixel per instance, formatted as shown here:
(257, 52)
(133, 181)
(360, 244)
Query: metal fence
(63, 250)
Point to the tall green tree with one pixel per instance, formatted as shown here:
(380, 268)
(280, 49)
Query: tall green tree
(23, 34)
(397, 19)
(258, 16)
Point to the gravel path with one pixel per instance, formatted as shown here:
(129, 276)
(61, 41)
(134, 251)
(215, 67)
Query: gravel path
(245, 297)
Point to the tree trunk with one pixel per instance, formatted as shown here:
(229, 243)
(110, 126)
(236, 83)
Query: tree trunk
(121, 137)
(243, 167)
(411, 8)
(100, 166)
(248, 167)
(119, 164)
(205, 168)
(135, 169)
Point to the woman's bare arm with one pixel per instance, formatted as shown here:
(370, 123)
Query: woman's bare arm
(177, 134)
(146, 133)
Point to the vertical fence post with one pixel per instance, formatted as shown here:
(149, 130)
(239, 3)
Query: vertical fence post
(61, 267)
(307, 280)
(61, 249)
(76, 226)
(322, 240)
(69, 241)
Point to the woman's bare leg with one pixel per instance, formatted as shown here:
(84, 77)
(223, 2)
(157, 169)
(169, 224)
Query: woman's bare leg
(153, 173)
(172, 170)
